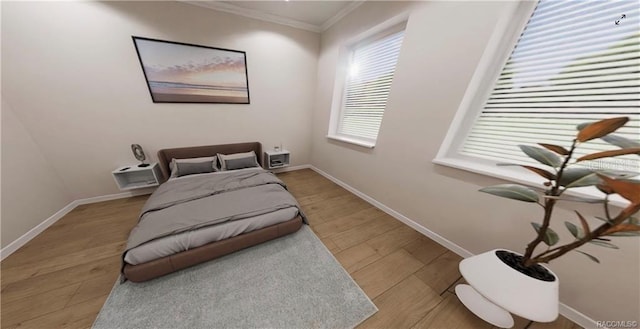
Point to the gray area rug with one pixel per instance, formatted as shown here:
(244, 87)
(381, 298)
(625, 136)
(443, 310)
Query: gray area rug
(290, 282)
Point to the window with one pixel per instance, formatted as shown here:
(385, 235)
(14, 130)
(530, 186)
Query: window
(575, 62)
(367, 83)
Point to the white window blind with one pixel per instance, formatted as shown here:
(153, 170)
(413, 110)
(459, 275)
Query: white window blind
(370, 75)
(575, 62)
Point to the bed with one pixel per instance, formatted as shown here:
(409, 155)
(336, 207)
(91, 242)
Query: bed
(198, 217)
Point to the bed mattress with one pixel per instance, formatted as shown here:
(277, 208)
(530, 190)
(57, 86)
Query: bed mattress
(173, 244)
(191, 211)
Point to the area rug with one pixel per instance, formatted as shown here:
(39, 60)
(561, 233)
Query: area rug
(290, 282)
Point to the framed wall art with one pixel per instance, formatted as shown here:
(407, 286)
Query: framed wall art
(185, 73)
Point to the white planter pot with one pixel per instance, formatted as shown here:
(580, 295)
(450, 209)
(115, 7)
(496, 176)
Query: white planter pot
(495, 290)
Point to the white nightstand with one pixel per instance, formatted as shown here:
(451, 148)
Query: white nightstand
(132, 177)
(276, 159)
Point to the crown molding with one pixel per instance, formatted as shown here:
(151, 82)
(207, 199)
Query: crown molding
(255, 14)
(342, 13)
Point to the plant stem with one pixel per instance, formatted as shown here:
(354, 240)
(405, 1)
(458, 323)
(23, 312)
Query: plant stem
(559, 251)
(548, 209)
(554, 253)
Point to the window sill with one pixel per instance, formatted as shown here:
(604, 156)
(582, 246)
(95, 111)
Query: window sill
(514, 174)
(353, 141)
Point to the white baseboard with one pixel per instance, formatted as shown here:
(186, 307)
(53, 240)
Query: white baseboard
(425, 231)
(32, 233)
(577, 317)
(116, 196)
(567, 311)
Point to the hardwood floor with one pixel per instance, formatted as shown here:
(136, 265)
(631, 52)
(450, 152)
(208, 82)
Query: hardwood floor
(61, 278)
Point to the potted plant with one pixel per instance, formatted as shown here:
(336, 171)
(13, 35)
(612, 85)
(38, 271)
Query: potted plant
(499, 278)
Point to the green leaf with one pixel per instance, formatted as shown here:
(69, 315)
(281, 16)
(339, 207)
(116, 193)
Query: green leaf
(577, 177)
(550, 237)
(590, 257)
(541, 155)
(575, 231)
(619, 141)
(512, 191)
(618, 174)
(604, 244)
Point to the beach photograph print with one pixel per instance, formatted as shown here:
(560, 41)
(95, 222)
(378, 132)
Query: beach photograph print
(185, 73)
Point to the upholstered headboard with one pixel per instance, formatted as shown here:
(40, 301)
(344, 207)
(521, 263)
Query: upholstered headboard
(165, 155)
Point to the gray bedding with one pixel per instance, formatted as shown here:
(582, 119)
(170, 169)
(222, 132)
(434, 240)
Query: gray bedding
(198, 201)
(180, 242)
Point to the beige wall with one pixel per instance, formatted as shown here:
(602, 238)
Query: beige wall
(72, 75)
(31, 188)
(79, 98)
(444, 42)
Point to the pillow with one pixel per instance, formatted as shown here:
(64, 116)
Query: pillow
(238, 161)
(190, 168)
(213, 159)
(248, 162)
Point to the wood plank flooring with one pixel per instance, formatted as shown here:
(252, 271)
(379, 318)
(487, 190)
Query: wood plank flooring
(61, 278)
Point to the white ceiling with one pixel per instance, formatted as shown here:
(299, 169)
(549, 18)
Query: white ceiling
(315, 16)
(311, 12)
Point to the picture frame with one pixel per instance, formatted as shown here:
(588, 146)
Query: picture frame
(178, 72)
